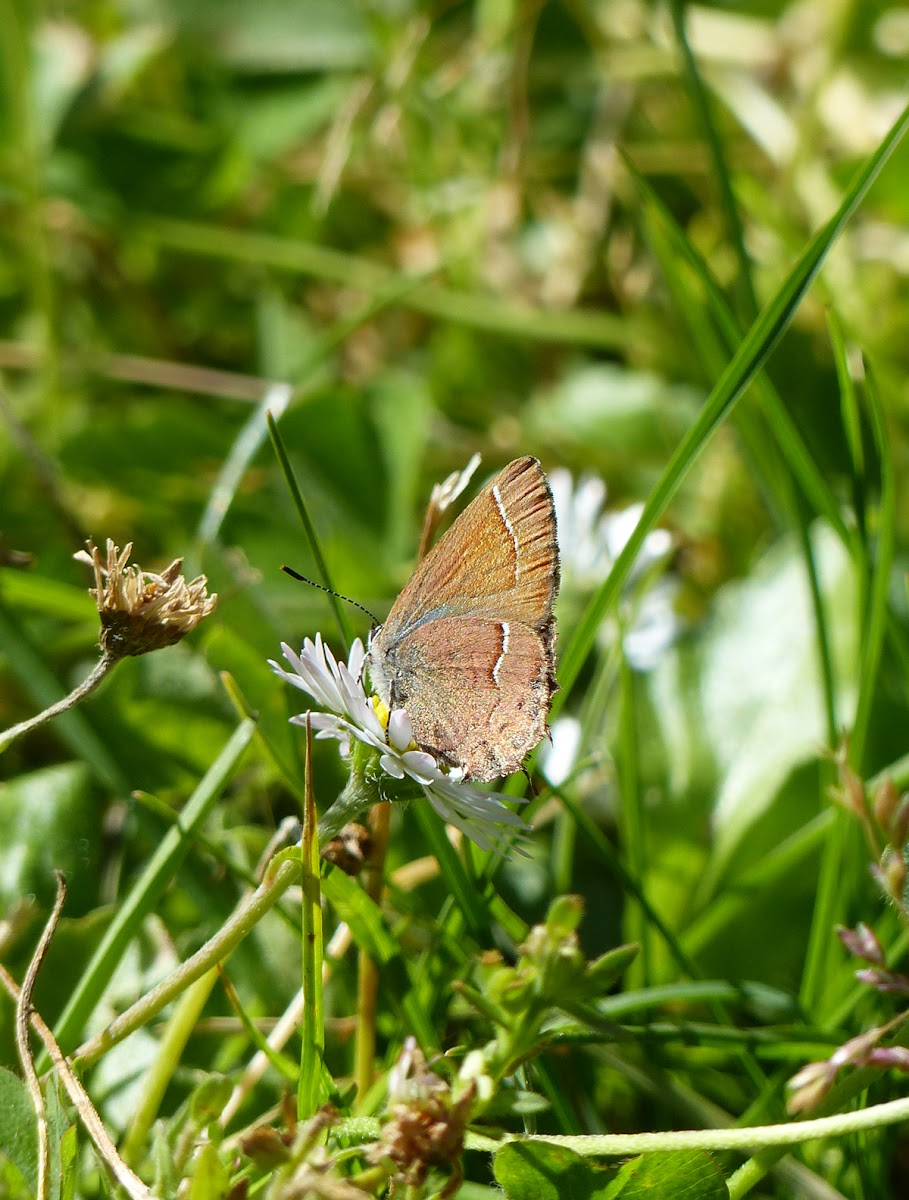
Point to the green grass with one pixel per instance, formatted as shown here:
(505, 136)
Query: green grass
(267, 274)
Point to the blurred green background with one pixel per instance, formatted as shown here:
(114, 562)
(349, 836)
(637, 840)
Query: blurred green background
(445, 226)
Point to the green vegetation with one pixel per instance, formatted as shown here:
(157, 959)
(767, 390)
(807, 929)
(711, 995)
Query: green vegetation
(268, 273)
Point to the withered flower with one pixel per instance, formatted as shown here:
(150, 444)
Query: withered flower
(426, 1124)
(141, 611)
(350, 850)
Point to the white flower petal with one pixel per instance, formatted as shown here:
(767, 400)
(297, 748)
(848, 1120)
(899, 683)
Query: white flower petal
(559, 754)
(421, 766)
(400, 730)
(392, 766)
(356, 658)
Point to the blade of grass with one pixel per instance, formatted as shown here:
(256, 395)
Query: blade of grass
(244, 449)
(875, 617)
(473, 309)
(284, 1066)
(750, 356)
(158, 1076)
(852, 425)
(309, 529)
(767, 467)
(843, 864)
(312, 1054)
(369, 931)
(636, 927)
(718, 158)
(467, 893)
(801, 461)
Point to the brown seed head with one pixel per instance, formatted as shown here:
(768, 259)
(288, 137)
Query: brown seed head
(427, 1126)
(141, 611)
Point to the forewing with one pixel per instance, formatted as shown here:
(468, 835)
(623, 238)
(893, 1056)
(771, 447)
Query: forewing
(499, 559)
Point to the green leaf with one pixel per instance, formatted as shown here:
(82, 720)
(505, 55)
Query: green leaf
(210, 1177)
(371, 934)
(12, 1185)
(18, 1130)
(605, 970)
(674, 1175)
(60, 1140)
(542, 1171)
(46, 818)
(760, 685)
(69, 1161)
(19, 1141)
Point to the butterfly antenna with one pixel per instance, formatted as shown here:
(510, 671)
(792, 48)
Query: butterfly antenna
(322, 588)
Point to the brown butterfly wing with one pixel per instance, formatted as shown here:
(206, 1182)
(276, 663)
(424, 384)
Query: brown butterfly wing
(500, 557)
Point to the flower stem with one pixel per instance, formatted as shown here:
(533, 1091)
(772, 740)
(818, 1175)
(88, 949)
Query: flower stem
(245, 917)
(85, 688)
(368, 972)
(357, 798)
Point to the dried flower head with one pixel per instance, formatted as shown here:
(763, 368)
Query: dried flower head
(350, 850)
(141, 611)
(426, 1126)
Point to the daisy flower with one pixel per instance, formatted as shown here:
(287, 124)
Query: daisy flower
(350, 714)
(590, 540)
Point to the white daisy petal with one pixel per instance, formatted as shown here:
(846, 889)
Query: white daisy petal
(356, 659)
(392, 766)
(591, 539)
(421, 766)
(400, 730)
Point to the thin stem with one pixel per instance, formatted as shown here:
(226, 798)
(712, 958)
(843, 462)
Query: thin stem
(356, 799)
(167, 1059)
(23, 1014)
(312, 1053)
(368, 983)
(248, 913)
(131, 1184)
(85, 688)
(791, 1133)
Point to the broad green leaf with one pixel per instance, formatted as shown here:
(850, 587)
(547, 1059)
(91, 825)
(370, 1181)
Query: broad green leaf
(18, 1129)
(49, 820)
(760, 685)
(675, 1175)
(12, 1185)
(19, 1141)
(542, 1171)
